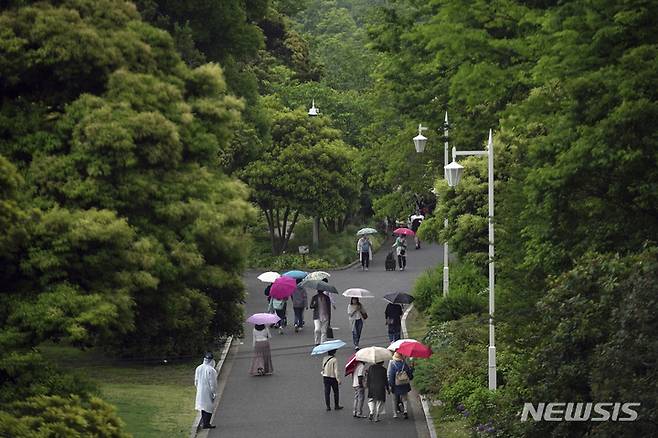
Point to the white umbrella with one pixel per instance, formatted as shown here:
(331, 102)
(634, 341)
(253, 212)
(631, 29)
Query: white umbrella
(317, 275)
(268, 277)
(395, 345)
(364, 231)
(358, 293)
(417, 216)
(373, 354)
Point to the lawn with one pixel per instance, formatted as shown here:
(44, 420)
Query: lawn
(154, 399)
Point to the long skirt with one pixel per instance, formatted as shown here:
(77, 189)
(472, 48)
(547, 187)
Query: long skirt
(261, 364)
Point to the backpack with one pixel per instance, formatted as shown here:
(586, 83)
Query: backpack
(401, 377)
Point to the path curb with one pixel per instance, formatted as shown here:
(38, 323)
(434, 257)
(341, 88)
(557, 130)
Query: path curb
(423, 401)
(196, 432)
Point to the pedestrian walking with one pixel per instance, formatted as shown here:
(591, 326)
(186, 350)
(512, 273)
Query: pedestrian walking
(299, 303)
(356, 314)
(415, 221)
(331, 379)
(359, 384)
(400, 375)
(400, 246)
(393, 315)
(261, 364)
(364, 249)
(377, 384)
(205, 380)
(279, 307)
(321, 305)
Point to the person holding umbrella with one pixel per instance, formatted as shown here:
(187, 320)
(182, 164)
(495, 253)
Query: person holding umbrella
(321, 305)
(364, 249)
(359, 386)
(299, 303)
(393, 315)
(400, 375)
(356, 314)
(261, 364)
(331, 379)
(400, 246)
(377, 385)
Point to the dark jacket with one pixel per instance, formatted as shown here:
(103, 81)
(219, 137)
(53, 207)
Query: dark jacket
(316, 306)
(376, 382)
(394, 312)
(394, 367)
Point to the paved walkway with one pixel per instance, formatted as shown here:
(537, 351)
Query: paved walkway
(290, 403)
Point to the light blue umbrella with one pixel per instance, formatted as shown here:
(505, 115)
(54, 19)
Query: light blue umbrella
(327, 346)
(297, 275)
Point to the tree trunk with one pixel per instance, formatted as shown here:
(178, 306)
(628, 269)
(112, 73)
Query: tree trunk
(316, 231)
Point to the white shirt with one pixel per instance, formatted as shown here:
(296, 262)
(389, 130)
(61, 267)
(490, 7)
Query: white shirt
(261, 335)
(354, 312)
(330, 368)
(358, 372)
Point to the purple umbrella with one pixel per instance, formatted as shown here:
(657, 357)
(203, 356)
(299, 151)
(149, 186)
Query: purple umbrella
(263, 318)
(283, 287)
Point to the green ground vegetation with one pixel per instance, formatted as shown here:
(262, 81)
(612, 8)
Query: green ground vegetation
(335, 249)
(153, 398)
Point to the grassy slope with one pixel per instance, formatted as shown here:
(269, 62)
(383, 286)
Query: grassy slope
(154, 400)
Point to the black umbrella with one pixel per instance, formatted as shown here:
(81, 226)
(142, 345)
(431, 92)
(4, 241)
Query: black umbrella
(399, 298)
(321, 285)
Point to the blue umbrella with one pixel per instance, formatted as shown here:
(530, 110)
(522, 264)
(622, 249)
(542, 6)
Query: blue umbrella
(298, 275)
(327, 346)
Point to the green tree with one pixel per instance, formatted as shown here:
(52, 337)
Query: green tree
(307, 170)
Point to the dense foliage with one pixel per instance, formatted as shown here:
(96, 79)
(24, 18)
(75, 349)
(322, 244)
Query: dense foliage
(569, 89)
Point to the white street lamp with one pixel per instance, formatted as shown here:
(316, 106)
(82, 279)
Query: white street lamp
(453, 173)
(313, 111)
(420, 140)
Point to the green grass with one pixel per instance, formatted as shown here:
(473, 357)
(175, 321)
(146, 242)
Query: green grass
(154, 400)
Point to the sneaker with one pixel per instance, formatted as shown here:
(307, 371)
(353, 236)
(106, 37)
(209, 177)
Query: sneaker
(366, 269)
(401, 268)
(280, 331)
(354, 415)
(296, 329)
(406, 416)
(370, 417)
(328, 408)
(395, 415)
(338, 408)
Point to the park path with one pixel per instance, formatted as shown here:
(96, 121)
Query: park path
(290, 403)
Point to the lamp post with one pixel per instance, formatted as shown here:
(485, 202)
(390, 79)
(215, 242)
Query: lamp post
(419, 142)
(453, 175)
(313, 111)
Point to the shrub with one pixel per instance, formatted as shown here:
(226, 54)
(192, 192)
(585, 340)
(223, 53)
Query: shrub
(455, 306)
(427, 287)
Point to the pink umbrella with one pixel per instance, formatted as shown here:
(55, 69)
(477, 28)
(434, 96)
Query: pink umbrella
(405, 231)
(283, 287)
(414, 349)
(350, 366)
(263, 318)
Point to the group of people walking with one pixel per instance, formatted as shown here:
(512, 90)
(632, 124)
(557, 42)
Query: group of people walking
(364, 249)
(375, 382)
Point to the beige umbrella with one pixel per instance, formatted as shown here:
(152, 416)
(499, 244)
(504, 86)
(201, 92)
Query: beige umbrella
(373, 354)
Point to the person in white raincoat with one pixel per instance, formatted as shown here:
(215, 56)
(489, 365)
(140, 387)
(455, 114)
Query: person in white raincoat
(205, 380)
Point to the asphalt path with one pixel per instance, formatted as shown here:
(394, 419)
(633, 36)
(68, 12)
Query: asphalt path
(290, 403)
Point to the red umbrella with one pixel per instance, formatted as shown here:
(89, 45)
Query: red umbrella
(405, 231)
(283, 287)
(350, 366)
(414, 349)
